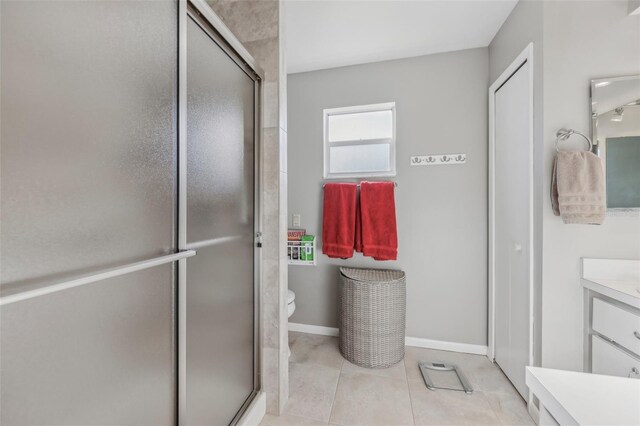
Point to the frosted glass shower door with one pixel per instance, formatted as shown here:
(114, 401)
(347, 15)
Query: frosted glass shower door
(220, 226)
(88, 183)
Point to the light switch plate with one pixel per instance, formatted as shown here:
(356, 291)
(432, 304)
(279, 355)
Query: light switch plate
(296, 220)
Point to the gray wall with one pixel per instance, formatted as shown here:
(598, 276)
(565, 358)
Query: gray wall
(441, 105)
(524, 26)
(600, 40)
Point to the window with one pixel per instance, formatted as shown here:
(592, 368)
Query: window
(360, 141)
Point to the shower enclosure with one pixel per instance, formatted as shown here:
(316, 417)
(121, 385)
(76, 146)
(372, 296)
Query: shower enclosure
(130, 214)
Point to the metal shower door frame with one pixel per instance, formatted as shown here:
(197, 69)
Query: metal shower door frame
(202, 13)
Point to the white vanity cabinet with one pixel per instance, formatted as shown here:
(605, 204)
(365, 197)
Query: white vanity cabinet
(612, 316)
(608, 359)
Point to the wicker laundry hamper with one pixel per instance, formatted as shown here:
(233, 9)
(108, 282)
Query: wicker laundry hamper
(372, 316)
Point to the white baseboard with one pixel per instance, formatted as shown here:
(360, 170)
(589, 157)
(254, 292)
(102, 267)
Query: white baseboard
(256, 411)
(313, 329)
(466, 348)
(409, 341)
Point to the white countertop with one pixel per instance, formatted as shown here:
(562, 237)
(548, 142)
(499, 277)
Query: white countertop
(623, 291)
(575, 398)
(615, 278)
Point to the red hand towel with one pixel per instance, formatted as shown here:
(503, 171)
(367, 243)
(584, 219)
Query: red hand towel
(379, 234)
(358, 242)
(339, 219)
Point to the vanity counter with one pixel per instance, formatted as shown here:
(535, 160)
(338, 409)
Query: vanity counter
(574, 398)
(624, 291)
(615, 278)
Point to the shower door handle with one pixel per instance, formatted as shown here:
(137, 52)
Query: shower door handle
(97, 276)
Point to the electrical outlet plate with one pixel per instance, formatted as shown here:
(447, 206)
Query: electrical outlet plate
(437, 160)
(296, 220)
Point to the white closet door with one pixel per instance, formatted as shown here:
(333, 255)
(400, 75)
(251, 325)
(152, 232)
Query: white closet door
(512, 226)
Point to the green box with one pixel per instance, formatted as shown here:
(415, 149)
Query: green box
(306, 252)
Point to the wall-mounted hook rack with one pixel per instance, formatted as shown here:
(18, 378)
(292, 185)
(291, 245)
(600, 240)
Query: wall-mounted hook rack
(437, 160)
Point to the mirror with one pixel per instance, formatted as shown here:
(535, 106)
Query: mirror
(615, 131)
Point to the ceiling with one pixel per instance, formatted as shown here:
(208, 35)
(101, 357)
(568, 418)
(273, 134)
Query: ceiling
(332, 33)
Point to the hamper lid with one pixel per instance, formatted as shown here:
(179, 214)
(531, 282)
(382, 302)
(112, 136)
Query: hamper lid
(372, 275)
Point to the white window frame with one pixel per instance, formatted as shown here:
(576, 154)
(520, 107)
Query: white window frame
(388, 106)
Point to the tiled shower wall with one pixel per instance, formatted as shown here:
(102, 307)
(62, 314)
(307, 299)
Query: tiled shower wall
(257, 24)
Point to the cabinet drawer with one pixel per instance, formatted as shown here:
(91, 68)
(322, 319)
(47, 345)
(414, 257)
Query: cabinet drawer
(617, 324)
(609, 360)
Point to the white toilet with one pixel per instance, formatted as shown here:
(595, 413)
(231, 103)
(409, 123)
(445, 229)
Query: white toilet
(291, 307)
(291, 303)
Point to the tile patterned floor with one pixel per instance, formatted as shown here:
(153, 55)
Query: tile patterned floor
(326, 390)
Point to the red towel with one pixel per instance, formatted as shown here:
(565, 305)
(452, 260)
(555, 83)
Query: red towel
(339, 219)
(378, 236)
(358, 242)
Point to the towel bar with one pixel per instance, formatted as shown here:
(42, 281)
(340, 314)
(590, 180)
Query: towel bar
(358, 185)
(96, 276)
(564, 134)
